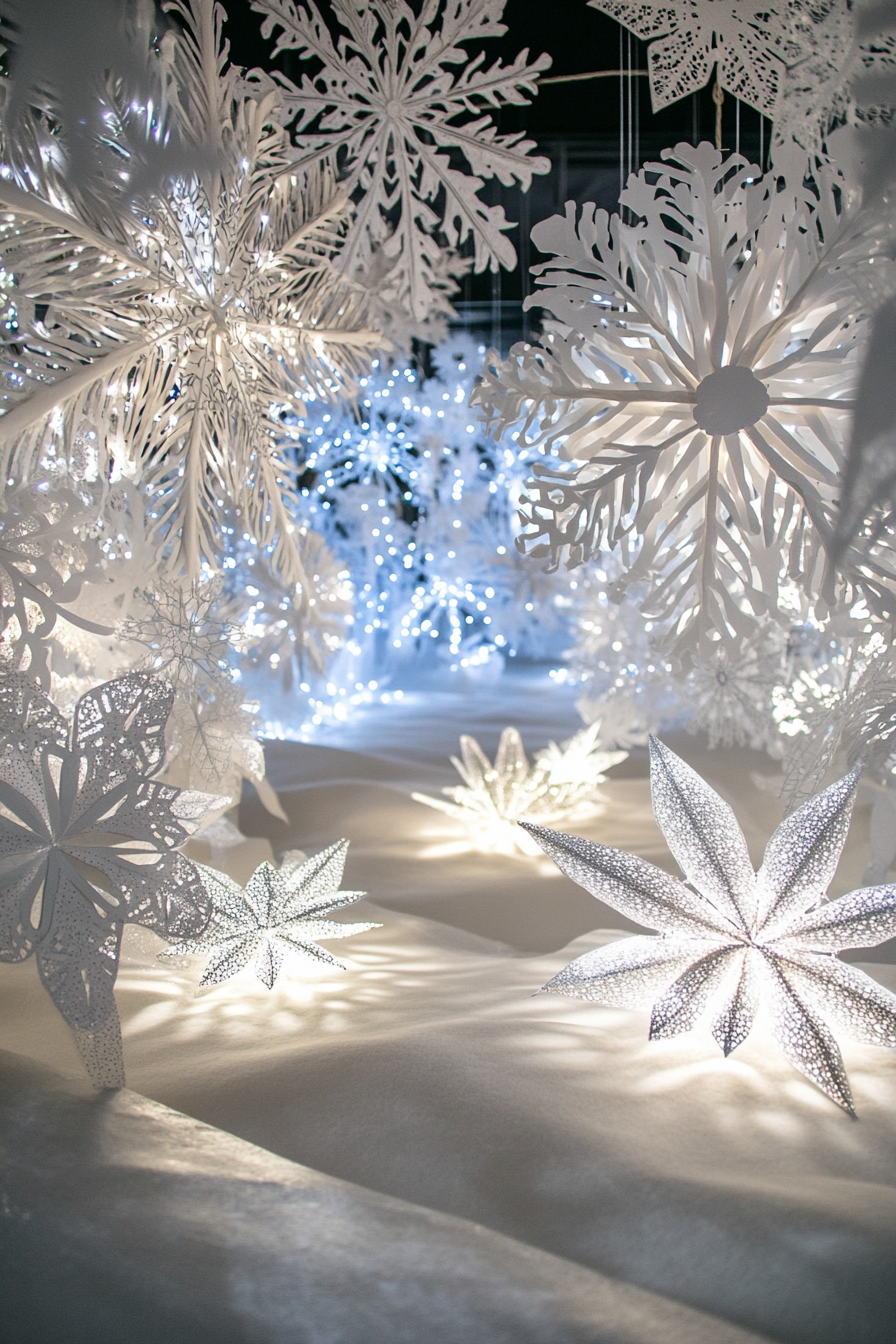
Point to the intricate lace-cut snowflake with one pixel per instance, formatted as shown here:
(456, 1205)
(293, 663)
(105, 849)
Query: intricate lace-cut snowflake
(175, 322)
(210, 729)
(89, 841)
(46, 555)
(730, 692)
(795, 60)
(732, 935)
(562, 784)
(696, 381)
(396, 94)
(281, 911)
(750, 44)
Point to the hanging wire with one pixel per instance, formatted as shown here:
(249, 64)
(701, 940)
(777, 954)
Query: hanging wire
(629, 86)
(621, 117)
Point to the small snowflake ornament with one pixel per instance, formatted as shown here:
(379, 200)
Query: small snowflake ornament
(731, 937)
(89, 842)
(562, 785)
(280, 910)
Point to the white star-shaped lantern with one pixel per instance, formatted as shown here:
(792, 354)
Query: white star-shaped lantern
(731, 936)
(279, 911)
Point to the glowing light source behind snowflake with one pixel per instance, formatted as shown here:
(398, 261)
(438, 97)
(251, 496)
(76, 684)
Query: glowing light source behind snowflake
(562, 784)
(732, 936)
(175, 322)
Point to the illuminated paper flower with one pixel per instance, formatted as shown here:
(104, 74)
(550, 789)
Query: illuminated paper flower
(175, 321)
(281, 910)
(401, 103)
(696, 385)
(732, 936)
(561, 785)
(89, 842)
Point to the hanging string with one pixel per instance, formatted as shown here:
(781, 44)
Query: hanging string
(621, 117)
(629, 86)
(637, 100)
(718, 98)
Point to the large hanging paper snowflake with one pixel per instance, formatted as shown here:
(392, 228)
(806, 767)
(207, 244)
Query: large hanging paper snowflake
(732, 936)
(172, 323)
(280, 911)
(697, 383)
(398, 103)
(561, 785)
(46, 555)
(89, 841)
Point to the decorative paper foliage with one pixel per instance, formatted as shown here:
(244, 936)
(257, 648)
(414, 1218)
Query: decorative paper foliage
(166, 324)
(732, 936)
(562, 784)
(397, 101)
(696, 382)
(90, 842)
(281, 910)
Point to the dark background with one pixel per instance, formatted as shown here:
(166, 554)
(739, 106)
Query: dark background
(577, 126)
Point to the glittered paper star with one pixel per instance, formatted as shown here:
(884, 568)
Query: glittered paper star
(280, 910)
(732, 936)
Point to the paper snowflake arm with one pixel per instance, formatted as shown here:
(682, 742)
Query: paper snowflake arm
(395, 91)
(90, 842)
(781, 949)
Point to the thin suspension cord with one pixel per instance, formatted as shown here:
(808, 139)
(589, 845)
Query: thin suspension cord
(629, 100)
(621, 117)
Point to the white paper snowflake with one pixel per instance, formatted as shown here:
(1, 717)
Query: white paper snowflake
(89, 842)
(281, 911)
(696, 383)
(729, 691)
(795, 61)
(210, 733)
(562, 784)
(397, 101)
(46, 554)
(733, 936)
(170, 324)
(750, 43)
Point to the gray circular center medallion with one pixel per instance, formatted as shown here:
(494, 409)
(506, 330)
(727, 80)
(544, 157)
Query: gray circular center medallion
(730, 400)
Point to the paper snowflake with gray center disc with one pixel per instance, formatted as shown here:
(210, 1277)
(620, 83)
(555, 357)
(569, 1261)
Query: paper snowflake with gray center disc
(279, 911)
(732, 936)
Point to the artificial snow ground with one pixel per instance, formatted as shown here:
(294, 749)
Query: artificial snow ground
(439, 1155)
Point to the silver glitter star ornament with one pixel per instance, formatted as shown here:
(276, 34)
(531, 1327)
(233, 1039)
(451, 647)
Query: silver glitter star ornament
(89, 842)
(732, 936)
(279, 911)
